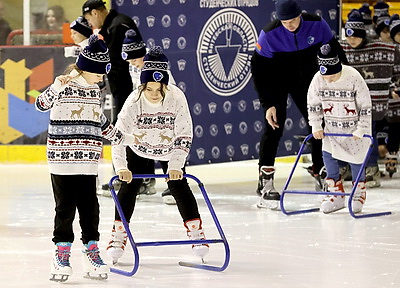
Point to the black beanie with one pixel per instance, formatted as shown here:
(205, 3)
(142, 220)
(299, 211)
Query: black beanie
(328, 60)
(155, 68)
(355, 25)
(382, 21)
(133, 46)
(366, 14)
(394, 25)
(94, 57)
(287, 9)
(82, 26)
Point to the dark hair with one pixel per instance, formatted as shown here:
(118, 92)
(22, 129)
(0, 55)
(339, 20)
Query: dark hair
(59, 14)
(143, 86)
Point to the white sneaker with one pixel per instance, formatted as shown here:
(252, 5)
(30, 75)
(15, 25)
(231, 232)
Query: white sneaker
(195, 232)
(93, 265)
(359, 198)
(60, 268)
(333, 203)
(116, 246)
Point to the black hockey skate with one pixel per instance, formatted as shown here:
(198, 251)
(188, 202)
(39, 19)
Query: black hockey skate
(269, 197)
(391, 163)
(319, 178)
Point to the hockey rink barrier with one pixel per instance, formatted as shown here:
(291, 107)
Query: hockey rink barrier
(135, 245)
(351, 194)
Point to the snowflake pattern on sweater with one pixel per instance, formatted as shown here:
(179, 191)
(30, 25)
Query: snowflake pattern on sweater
(162, 131)
(379, 64)
(76, 128)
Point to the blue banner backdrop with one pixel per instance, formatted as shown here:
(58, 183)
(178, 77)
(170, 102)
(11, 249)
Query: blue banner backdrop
(209, 44)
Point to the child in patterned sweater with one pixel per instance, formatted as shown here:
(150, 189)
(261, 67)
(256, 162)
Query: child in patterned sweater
(74, 144)
(338, 97)
(157, 114)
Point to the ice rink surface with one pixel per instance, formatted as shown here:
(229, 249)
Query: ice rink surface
(268, 248)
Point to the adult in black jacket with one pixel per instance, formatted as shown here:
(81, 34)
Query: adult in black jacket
(113, 26)
(284, 62)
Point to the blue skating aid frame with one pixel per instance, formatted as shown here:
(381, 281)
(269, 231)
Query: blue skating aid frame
(350, 202)
(135, 245)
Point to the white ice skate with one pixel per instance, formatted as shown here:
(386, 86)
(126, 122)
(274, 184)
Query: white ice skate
(167, 197)
(373, 177)
(147, 188)
(60, 267)
(93, 265)
(333, 203)
(195, 232)
(116, 246)
(359, 198)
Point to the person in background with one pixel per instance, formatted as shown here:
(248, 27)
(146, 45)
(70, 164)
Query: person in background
(5, 28)
(380, 8)
(157, 114)
(364, 55)
(288, 43)
(133, 51)
(54, 18)
(77, 126)
(80, 33)
(112, 26)
(366, 14)
(338, 102)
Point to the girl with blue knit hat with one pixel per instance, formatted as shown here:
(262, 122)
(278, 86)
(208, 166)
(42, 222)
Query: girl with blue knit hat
(338, 97)
(157, 114)
(133, 51)
(74, 145)
(80, 33)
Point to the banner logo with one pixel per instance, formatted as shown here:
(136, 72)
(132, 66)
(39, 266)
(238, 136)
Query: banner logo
(224, 51)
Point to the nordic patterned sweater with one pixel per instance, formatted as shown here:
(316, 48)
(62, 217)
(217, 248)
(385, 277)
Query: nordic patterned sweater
(77, 126)
(378, 63)
(345, 108)
(162, 131)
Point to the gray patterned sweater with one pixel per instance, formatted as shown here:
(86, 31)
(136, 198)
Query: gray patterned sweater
(378, 63)
(77, 127)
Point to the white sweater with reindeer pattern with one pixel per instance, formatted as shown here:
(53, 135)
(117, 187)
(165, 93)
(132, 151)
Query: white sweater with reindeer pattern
(344, 107)
(77, 127)
(162, 131)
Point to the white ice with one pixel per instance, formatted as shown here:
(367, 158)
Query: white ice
(268, 248)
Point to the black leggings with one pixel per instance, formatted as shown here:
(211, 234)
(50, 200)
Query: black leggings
(270, 139)
(180, 189)
(72, 192)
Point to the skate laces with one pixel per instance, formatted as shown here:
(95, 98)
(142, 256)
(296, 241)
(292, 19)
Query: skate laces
(93, 253)
(63, 256)
(63, 253)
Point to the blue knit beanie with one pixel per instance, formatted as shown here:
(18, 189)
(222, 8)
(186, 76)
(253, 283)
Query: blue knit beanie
(366, 14)
(381, 22)
(394, 25)
(133, 46)
(94, 57)
(287, 9)
(82, 26)
(355, 25)
(155, 68)
(328, 60)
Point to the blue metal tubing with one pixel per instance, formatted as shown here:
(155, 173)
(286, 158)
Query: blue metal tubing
(350, 201)
(163, 243)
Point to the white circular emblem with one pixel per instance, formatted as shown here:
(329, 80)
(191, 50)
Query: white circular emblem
(224, 51)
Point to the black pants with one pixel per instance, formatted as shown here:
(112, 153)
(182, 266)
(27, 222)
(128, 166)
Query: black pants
(73, 192)
(180, 189)
(393, 140)
(270, 139)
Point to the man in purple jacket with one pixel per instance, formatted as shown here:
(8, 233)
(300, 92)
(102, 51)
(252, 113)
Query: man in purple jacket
(285, 62)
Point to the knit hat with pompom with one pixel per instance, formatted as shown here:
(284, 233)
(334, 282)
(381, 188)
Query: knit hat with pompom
(155, 68)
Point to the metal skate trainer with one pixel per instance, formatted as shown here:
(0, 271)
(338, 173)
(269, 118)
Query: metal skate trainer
(135, 245)
(351, 194)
